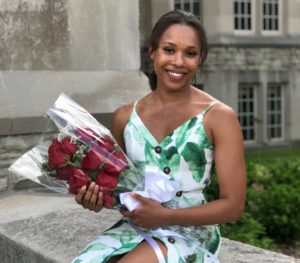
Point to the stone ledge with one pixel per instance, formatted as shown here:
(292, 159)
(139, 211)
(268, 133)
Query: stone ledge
(45, 227)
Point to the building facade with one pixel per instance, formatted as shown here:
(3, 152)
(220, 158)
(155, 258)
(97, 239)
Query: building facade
(253, 63)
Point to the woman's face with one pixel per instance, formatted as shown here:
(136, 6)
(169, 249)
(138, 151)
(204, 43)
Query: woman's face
(177, 57)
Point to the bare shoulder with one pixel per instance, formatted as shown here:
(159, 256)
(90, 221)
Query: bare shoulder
(119, 121)
(222, 112)
(223, 122)
(122, 114)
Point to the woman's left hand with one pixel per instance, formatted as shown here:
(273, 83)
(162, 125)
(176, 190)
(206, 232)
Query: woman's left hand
(150, 214)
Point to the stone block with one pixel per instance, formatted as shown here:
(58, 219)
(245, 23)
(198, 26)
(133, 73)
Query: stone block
(39, 226)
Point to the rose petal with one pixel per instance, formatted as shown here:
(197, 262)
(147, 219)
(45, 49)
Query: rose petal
(67, 147)
(64, 173)
(85, 134)
(92, 160)
(56, 157)
(78, 179)
(107, 143)
(115, 164)
(105, 180)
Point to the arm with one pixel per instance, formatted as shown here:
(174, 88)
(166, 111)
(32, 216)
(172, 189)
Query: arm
(231, 172)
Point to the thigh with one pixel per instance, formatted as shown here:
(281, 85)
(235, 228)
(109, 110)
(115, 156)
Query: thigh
(145, 252)
(115, 259)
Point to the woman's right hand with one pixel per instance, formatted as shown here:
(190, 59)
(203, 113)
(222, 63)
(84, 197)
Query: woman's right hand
(91, 198)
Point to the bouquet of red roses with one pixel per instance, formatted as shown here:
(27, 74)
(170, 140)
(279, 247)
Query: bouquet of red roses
(84, 151)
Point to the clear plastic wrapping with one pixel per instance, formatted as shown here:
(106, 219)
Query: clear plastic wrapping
(83, 151)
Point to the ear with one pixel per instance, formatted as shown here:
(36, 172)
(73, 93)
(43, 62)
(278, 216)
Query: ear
(150, 52)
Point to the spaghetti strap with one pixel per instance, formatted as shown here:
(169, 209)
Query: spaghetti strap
(134, 105)
(208, 108)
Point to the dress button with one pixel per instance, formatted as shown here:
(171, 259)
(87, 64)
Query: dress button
(171, 240)
(157, 149)
(167, 170)
(179, 193)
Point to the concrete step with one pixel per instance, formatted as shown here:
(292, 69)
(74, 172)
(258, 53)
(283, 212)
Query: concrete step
(45, 227)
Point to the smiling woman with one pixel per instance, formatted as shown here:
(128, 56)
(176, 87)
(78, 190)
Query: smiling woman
(181, 133)
(177, 57)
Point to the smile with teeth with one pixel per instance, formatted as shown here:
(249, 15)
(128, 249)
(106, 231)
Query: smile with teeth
(175, 75)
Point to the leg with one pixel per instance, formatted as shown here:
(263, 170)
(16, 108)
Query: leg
(145, 252)
(115, 259)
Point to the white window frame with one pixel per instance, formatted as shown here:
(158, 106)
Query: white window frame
(254, 88)
(282, 124)
(280, 11)
(191, 4)
(253, 20)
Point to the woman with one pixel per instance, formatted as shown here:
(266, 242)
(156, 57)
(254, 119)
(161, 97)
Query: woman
(184, 133)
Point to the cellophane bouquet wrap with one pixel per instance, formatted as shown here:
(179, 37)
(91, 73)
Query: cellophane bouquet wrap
(83, 151)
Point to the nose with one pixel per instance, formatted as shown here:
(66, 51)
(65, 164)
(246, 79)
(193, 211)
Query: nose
(178, 59)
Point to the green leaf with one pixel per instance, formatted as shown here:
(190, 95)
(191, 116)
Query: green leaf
(127, 247)
(126, 237)
(169, 153)
(94, 247)
(185, 131)
(195, 158)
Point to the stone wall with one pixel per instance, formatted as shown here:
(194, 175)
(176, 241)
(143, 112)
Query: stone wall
(253, 58)
(31, 231)
(230, 65)
(87, 49)
(34, 35)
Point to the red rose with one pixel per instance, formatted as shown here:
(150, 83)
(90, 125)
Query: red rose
(121, 159)
(108, 199)
(60, 152)
(78, 179)
(115, 164)
(67, 147)
(92, 160)
(107, 143)
(55, 156)
(64, 173)
(85, 134)
(105, 180)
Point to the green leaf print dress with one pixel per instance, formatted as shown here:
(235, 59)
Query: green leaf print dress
(184, 156)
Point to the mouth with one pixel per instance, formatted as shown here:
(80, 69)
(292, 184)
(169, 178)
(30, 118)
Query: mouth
(175, 75)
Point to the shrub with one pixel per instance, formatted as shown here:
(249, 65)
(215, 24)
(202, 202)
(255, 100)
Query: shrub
(248, 230)
(272, 207)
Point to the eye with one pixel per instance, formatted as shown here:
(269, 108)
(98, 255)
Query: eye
(168, 50)
(191, 54)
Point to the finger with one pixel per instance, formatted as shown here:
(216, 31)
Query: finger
(126, 213)
(88, 194)
(138, 197)
(99, 204)
(80, 194)
(94, 197)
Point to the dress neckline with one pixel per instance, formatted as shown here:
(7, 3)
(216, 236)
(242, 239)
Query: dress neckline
(159, 142)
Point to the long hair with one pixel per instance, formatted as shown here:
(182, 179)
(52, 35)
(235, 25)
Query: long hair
(167, 20)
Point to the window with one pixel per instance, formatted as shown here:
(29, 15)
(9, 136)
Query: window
(243, 15)
(274, 112)
(270, 15)
(192, 6)
(246, 111)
